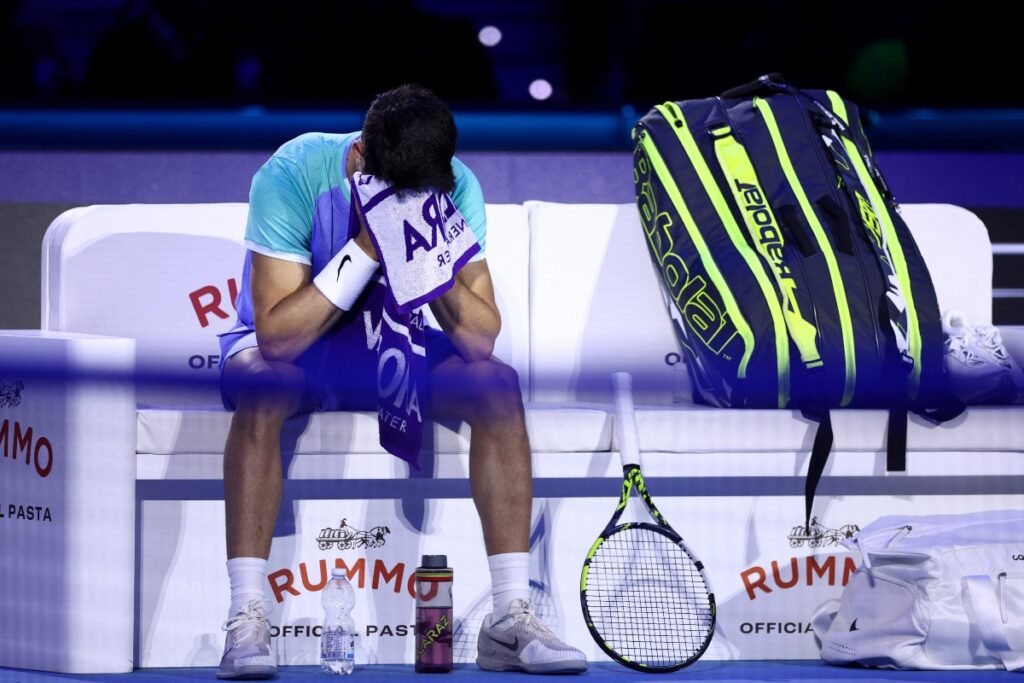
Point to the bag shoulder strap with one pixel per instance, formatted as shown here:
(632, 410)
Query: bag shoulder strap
(819, 457)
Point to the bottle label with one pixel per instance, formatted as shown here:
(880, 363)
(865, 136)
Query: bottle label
(434, 636)
(433, 589)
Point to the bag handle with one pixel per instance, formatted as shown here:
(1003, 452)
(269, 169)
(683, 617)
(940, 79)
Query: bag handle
(989, 617)
(767, 84)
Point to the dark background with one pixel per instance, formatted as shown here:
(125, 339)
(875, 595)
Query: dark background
(595, 53)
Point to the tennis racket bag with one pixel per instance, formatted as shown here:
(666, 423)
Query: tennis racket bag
(790, 276)
(940, 592)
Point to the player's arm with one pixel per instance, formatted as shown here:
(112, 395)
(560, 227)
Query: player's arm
(468, 313)
(292, 311)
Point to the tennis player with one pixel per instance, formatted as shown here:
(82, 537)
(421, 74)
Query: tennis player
(298, 205)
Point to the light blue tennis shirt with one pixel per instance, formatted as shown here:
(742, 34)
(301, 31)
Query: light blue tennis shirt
(299, 207)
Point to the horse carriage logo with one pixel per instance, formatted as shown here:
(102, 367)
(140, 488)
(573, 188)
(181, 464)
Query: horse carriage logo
(10, 393)
(817, 536)
(348, 537)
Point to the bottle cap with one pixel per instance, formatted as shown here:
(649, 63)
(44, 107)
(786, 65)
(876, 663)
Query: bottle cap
(435, 561)
(339, 573)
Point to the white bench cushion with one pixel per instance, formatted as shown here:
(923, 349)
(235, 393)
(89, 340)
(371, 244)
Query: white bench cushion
(135, 271)
(596, 307)
(955, 245)
(552, 429)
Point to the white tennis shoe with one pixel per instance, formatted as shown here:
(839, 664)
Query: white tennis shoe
(981, 368)
(247, 650)
(518, 641)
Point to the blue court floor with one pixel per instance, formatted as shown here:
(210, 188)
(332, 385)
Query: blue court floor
(604, 671)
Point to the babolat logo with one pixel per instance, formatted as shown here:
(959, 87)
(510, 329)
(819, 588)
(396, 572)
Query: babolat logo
(348, 537)
(10, 393)
(768, 236)
(699, 303)
(1018, 558)
(764, 230)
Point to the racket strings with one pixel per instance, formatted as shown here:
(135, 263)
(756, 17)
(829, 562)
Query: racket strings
(647, 598)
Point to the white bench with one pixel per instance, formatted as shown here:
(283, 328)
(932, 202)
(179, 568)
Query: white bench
(579, 299)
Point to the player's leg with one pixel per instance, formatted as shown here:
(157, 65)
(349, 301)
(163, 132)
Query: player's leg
(486, 395)
(264, 395)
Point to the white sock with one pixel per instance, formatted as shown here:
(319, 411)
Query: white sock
(510, 580)
(248, 576)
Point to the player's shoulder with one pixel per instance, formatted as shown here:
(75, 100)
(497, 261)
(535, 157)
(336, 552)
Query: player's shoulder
(467, 187)
(309, 145)
(463, 174)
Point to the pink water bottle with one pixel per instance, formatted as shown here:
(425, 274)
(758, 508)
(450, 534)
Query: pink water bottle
(434, 623)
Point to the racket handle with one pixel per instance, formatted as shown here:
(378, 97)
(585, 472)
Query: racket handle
(625, 419)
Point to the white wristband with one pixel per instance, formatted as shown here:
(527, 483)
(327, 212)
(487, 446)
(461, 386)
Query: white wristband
(346, 275)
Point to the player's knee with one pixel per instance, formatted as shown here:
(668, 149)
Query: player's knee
(500, 394)
(261, 417)
(265, 396)
(249, 427)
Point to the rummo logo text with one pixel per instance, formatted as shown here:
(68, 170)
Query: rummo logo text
(19, 441)
(208, 300)
(378, 576)
(799, 571)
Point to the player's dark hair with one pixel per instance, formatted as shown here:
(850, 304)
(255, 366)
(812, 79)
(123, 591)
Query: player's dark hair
(409, 139)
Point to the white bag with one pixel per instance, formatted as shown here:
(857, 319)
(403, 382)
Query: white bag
(938, 592)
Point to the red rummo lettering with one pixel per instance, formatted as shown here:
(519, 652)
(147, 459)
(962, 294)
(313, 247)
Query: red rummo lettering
(19, 439)
(283, 580)
(757, 578)
(356, 573)
(320, 582)
(380, 571)
(279, 589)
(819, 570)
(794, 574)
(211, 304)
(750, 584)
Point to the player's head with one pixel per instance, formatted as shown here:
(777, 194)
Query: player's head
(409, 139)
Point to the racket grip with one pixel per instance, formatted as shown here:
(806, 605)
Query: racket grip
(625, 419)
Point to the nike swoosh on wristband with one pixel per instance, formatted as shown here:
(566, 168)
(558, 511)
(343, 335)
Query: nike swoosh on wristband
(344, 259)
(514, 645)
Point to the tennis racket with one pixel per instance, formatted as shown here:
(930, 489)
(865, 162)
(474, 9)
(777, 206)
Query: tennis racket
(645, 596)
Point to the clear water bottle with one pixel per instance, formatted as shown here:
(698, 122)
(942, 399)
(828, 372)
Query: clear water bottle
(337, 639)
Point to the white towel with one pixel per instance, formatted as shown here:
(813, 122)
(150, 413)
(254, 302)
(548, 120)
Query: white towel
(421, 238)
